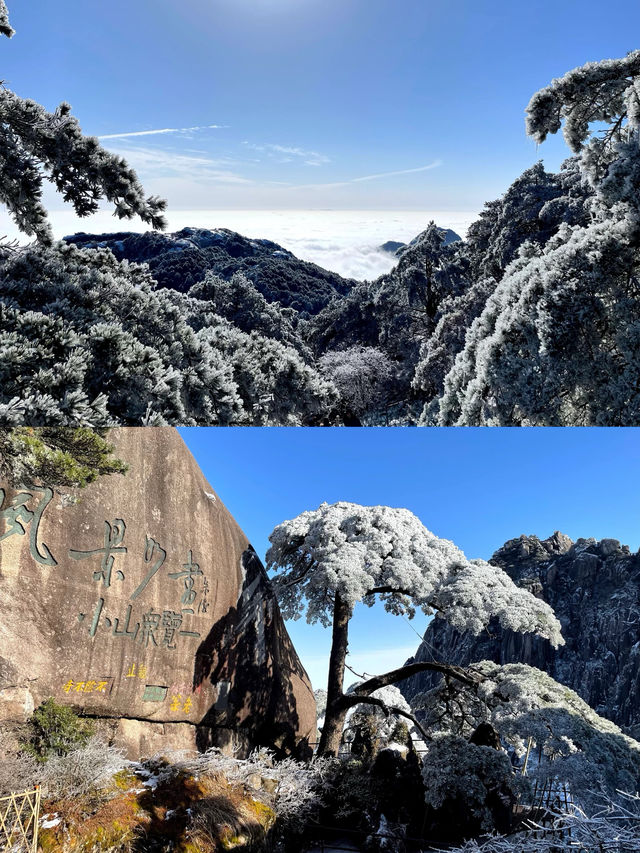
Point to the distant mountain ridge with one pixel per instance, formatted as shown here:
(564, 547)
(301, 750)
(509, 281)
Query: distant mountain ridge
(182, 259)
(594, 588)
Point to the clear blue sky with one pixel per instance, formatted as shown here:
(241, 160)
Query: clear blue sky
(477, 487)
(310, 93)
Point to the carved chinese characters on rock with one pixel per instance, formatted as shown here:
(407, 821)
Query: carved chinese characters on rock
(125, 573)
(25, 511)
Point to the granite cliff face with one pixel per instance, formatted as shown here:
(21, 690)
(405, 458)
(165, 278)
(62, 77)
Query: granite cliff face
(140, 602)
(594, 588)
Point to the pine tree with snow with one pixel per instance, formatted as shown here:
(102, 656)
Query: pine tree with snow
(558, 341)
(329, 559)
(35, 144)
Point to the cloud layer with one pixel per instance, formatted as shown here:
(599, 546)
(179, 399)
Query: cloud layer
(340, 240)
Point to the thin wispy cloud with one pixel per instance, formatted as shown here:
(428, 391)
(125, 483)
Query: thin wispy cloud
(289, 153)
(428, 167)
(155, 163)
(162, 130)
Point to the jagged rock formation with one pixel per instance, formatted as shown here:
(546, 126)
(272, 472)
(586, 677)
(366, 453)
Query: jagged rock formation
(594, 588)
(139, 601)
(182, 259)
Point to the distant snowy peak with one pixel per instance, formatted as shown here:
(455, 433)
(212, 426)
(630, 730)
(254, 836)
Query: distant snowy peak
(393, 247)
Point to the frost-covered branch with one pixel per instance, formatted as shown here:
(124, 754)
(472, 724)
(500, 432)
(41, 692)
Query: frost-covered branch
(614, 828)
(5, 27)
(352, 700)
(466, 676)
(36, 144)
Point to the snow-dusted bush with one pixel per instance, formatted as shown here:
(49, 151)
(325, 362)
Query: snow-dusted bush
(567, 739)
(374, 727)
(19, 771)
(86, 339)
(613, 828)
(475, 779)
(82, 770)
(363, 376)
(293, 789)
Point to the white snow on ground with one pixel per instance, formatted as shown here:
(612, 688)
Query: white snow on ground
(49, 824)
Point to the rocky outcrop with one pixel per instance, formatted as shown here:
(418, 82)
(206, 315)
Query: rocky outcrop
(140, 602)
(182, 259)
(594, 588)
(393, 247)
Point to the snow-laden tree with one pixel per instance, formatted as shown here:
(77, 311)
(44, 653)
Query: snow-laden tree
(567, 740)
(558, 341)
(438, 352)
(56, 456)
(370, 728)
(36, 144)
(329, 559)
(363, 376)
(88, 340)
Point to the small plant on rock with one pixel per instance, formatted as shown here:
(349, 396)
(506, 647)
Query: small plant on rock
(56, 730)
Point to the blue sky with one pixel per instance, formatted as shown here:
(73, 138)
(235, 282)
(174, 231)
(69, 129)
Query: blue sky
(354, 104)
(477, 487)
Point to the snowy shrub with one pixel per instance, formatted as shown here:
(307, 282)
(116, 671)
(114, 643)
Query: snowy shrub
(292, 788)
(368, 728)
(82, 770)
(363, 376)
(19, 770)
(475, 780)
(568, 740)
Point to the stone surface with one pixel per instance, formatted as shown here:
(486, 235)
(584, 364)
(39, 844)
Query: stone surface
(140, 599)
(594, 588)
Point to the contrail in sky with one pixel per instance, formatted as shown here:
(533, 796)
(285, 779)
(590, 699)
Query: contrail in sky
(161, 130)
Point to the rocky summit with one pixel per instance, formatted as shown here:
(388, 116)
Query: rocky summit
(594, 588)
(139, 601)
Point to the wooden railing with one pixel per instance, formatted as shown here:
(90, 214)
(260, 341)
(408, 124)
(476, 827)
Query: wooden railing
(19, 816)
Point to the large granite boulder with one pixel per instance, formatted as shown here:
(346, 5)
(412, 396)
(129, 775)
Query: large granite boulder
(139, 601)
(594, 589)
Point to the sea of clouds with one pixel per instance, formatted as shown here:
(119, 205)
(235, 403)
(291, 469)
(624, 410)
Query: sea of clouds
(344, 241)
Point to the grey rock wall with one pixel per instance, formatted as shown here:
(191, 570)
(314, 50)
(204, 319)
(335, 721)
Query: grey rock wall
(594, 588)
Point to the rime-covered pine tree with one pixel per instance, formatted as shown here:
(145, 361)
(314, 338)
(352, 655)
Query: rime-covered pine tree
(557, 342)
(329, 559)
(35, 144)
